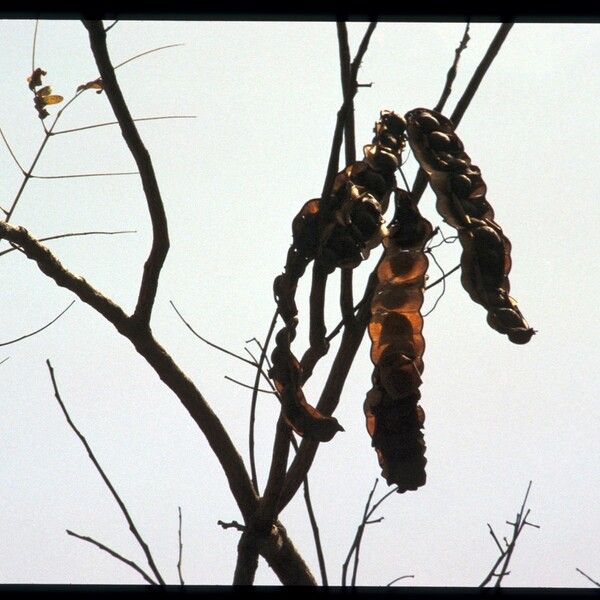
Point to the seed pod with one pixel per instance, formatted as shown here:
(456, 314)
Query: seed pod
(393, 417)
(461, 200)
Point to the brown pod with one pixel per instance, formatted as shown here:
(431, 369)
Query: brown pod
(338, 230)
(394, 419)
(461, 200)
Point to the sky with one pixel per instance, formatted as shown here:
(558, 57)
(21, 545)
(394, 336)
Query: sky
(264, 96)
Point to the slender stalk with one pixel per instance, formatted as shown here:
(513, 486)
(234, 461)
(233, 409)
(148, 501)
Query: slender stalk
(106, 480)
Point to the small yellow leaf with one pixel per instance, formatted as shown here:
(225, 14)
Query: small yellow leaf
(54, 99)
(45, 91)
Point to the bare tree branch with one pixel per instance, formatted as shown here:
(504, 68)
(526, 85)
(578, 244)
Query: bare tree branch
(344, 50)
(128, 562)
(506, 553)
(160, 233)
(27, 335)
(318, 342)
(107, 481)
(451, 75)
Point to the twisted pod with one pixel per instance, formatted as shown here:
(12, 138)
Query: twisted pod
(394, 418)
(338, 231)
(461, 200)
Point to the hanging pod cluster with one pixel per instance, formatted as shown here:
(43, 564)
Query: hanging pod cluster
(340, 230)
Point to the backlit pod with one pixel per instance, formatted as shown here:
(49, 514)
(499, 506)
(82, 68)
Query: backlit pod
(461, 200)
(394, 418)
(339, 233)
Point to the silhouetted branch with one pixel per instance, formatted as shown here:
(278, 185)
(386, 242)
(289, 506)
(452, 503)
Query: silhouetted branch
(160, 233)
(27, 335)
(451, 75)
(366, 520)
(116, 555)
(107, 481)
(503, 559)
(315, 529)
(317, 330)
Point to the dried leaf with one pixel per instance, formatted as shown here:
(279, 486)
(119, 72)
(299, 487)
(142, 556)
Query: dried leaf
(45, 91)
(97, 84)
(35, 79)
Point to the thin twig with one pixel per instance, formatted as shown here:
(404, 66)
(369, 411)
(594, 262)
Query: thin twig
(399, 578)
(588, 577)
(144, 54)
(117, 122)
(484, 65)
(231, 525)
(253, 402)
(213, 345)
(342, 115)
(37, 22)
(444, 277)
(27, 335)
(506, 553)
(11, 152)
(344, 51)
(66, 235)
(179, 556)
(83, 175)
(110, 551)
(4, 360)
(420, 182)
(248, 386)
(106, 480)
(107, 29)
(358, 535)
(451, 76)
(315, 529)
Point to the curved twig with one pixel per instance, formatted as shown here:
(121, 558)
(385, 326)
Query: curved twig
(27, 335)
(160, 232)
(66, 235)
(106, 480)
(110, 551)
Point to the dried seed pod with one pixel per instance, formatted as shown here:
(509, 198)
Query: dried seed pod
(461, 200)
(338, 230)
(394, 419)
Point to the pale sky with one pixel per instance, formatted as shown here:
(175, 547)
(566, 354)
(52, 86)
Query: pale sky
(265, 96)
